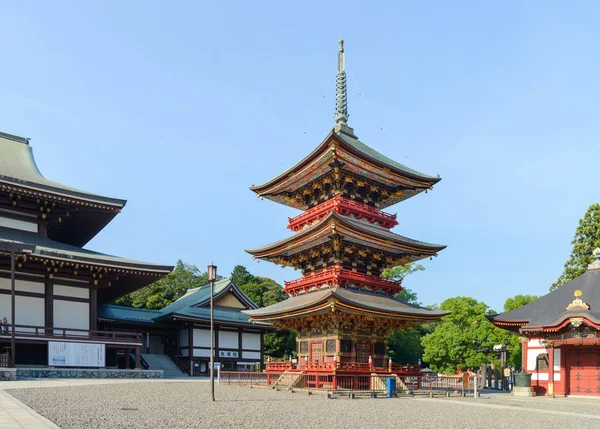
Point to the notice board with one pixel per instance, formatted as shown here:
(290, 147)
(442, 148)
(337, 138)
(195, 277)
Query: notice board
(76, 354)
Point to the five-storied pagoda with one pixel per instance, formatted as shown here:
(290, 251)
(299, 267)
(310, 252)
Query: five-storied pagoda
(341, 307)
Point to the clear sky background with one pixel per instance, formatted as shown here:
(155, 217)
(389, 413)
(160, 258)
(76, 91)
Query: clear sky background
(180, 106)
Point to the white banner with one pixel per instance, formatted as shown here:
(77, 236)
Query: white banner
(76, 354)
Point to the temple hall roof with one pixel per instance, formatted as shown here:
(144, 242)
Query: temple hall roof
(550, 310)
(194, 305)
(131, 274)
(19, 174)
(18, 167)
(340, 297)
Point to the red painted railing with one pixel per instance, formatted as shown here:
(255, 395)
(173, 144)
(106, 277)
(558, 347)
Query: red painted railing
(280, 366)
(376, 383)
(45, 332)
(338, 276)
(343, 206)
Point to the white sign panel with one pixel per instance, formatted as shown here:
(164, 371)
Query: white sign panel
(76, 354)
(223, 353)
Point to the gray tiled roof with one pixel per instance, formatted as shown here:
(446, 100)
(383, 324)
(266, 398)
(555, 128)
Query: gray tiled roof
(366, 300)
(373, 154)
(193, 305)
(359, 147)
(355, 224)
(54, 249)
(18, 167)
(551, 309)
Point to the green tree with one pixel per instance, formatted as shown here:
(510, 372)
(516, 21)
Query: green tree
(587, 238)
(463, 339)
(165, 291)
(518, 301)
(515, 349)
(404, 346)
(400, 271)
(241, 276)
(264, 291)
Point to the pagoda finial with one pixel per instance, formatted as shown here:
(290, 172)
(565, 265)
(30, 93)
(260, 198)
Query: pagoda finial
(341, 99)
(596, 263)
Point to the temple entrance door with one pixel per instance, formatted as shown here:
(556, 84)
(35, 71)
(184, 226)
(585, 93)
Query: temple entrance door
(157, 345)
(363, 351)
(316, 352)
(583, 365)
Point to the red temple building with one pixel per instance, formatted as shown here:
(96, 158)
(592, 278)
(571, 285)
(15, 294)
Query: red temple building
(341, 307)
(561, 341)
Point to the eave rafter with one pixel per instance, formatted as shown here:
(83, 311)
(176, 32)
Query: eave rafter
(18, 192)
(95, 274)
(328, 166)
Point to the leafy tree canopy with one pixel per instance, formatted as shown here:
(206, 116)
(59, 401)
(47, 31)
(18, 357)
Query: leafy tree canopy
(463, 339)
(514, 344)
(587, 238)
(399, 273)
(263, 292)
(165, 291)
(518, 301)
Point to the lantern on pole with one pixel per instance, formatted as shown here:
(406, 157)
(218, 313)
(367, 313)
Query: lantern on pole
(212, 276)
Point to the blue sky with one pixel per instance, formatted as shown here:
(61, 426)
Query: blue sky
(180, 106)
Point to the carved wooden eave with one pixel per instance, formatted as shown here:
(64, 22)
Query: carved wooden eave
(338, 157)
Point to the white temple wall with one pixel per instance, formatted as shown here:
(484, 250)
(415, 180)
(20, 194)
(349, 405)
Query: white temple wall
(23, 285)
(69, 314)
(28, 310)
(74, 292)
(251, 341)
(22, 225)
(228, 340)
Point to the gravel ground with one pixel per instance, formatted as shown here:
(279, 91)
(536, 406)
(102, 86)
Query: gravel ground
(172, 405)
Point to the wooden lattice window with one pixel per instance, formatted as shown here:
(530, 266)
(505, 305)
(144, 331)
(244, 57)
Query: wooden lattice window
(304, 347)
(541, 362)
(330, 346)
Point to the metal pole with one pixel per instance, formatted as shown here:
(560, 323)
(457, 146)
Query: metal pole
(212, 351)
(12, 308)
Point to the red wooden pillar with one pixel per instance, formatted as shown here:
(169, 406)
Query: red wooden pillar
(334, 382)
(563, 371)
(550, 371)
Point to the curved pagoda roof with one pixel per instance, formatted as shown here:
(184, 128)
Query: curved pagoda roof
(356, 157)
(579, 298)
(350, 229)
(19, 174)
(345, 299)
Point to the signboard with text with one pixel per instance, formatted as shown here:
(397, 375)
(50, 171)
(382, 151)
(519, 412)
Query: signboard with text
(76, 354)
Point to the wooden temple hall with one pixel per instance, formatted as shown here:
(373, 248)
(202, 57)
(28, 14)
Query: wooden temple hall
(60, 293)
(561, 336)
(341, 307)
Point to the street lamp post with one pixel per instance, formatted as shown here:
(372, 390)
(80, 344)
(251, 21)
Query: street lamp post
(212, 276)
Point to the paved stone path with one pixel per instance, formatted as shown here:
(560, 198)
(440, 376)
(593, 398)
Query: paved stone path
(14, 414)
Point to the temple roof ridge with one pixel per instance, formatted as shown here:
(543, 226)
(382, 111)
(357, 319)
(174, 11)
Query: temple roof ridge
(18, 166)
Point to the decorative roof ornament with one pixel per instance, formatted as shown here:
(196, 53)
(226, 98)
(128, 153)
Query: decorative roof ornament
(595, 265)
(577, 302)
(341, 95)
